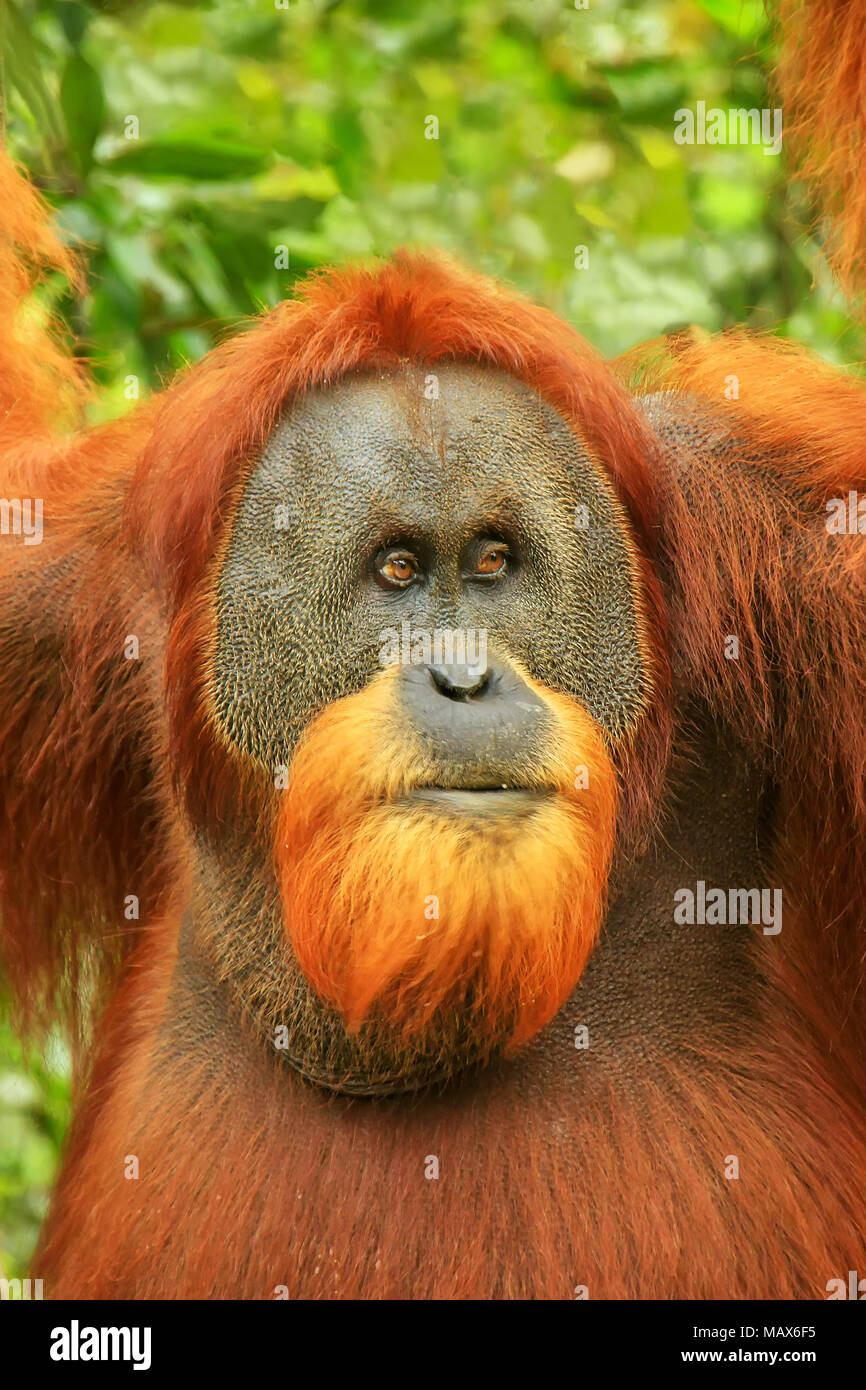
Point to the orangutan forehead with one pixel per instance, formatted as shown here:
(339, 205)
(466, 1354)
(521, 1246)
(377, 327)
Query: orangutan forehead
(471, 440)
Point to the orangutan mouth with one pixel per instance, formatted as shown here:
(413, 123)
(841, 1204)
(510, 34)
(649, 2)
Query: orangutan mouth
(481, 801)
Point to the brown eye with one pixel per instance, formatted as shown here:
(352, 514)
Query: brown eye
(492, 560)
(398, 567)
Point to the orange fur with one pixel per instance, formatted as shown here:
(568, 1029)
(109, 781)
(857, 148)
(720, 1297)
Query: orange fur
(807, 416)
(607, 1176)
(613, 1178)
(747, 542)
(821, 79)
(40, 385)
(518, 908)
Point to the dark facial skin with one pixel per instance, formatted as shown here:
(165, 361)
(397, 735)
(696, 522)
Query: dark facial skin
(371, 467)
(373, 506)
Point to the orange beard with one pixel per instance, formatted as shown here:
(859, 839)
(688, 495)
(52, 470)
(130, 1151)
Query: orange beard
(363, 874)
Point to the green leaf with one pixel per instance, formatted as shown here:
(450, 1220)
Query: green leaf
(24, 64)
(83, 103)
(746, 18)
(74, 19)
(199, 158)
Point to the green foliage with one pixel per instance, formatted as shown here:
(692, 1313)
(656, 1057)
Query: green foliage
(34, 1111)
(184, 144)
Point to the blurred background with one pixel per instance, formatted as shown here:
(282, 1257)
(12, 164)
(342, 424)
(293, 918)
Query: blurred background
(208, 155)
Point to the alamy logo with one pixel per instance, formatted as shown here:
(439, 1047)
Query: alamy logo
(714, 907)
(19, 1290)
(735, 127)
(76, 1343)
(444, 646)
(846, 516)
(855, 1288)
(22, 516)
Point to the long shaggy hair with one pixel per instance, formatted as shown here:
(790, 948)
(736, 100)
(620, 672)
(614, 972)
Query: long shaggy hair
(821, 84)
(153, 494)
(399, 912)
(631, 1198)
(252, 1180)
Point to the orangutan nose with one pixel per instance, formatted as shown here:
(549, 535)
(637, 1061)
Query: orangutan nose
(457, 681)
(481, 727)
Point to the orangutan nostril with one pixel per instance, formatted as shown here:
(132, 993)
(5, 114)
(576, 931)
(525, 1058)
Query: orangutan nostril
(460, 682)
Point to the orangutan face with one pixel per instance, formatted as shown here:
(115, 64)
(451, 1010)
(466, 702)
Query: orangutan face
(427, 617)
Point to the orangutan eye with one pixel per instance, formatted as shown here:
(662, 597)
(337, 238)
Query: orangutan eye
(397, 568)
(492, 560)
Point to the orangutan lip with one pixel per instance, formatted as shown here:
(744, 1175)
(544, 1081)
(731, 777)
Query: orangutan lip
(484, 801)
